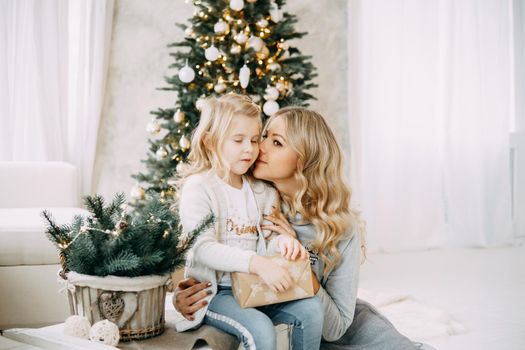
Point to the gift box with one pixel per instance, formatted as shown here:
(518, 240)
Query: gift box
(250, 290)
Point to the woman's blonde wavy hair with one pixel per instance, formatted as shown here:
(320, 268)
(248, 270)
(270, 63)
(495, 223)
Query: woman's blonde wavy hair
(207, 139)
(324, 197)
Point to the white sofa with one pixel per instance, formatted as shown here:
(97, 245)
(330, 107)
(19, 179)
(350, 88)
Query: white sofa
(28, 260)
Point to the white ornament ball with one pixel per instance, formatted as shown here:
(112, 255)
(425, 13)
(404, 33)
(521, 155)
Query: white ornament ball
(178, 117)
(240, 38)
(199, 103)
(256, 43)
(271, 93)
(236, 5)
(211, 53)
(153, 127)
(184, 142)
(161, 153)
(274, 67)
(105, 332)
(221, 27)
(186, 74)
(270, 108)
(137, 192)
(219, 88)
(244, 76)
(235, 49)
(77, 326)
(262, 23)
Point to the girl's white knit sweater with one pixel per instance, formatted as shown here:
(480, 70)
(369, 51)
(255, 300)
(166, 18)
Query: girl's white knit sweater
(201, 195)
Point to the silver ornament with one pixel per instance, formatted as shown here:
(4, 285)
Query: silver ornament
(184, 143)
(153, 127)
(161, 153)
(178, 117)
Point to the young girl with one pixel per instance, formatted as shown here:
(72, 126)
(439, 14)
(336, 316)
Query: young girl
(224, 147)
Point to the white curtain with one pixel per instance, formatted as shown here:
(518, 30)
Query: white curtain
(430, 110)
(52, 76)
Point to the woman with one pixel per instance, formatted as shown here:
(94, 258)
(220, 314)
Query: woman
(301, 158)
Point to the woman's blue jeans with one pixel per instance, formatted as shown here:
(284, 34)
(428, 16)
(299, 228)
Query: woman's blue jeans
(254, 327)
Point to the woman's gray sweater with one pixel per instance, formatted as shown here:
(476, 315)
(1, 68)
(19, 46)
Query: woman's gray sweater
(338, 290)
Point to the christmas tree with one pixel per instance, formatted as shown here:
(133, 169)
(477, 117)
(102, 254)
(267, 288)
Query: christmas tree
(229, 46)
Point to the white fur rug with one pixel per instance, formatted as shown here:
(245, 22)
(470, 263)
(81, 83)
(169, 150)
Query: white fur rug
(413, 318)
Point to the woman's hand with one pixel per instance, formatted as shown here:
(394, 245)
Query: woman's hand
(275, 276)
(290, 247)
(189, 295)
(280, 224)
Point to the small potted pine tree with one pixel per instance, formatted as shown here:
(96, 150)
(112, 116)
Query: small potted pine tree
(116, 264)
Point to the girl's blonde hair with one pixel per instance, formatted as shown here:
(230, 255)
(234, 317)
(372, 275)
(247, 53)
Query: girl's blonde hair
(324, 197)
(208, 138)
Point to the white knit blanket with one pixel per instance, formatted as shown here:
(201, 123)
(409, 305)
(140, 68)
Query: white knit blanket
(414, 319)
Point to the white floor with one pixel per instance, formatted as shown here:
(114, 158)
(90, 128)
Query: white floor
(484, 289)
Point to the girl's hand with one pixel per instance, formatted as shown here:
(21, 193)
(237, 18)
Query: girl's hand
(290, 247)
(280, 224)
(275, 276)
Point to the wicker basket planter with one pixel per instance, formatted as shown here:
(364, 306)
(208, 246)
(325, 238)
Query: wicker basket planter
(135, 304)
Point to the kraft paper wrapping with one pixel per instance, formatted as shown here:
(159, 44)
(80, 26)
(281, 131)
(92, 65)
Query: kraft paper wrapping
(250, 291)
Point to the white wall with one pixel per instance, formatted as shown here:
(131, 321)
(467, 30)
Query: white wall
(139, 60)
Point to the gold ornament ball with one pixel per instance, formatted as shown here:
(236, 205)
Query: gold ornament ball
(184, 143)
(137, 192)
(180, 166)
(161, 153)
(264, 53)
(153, 127)
(235, 49)
(219, 88)
(199, 103)
(178, 117)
